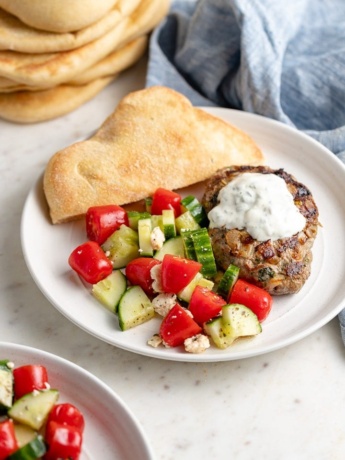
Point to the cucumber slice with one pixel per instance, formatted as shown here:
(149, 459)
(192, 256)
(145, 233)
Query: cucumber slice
(33, 408)
(228, 281)
(157, 221)
(31, 451)
(173, 246)
(186, 293)
(186, 221)
(110, 290)
(134, 308)
(135, 216)
(192, 204)
(144, 232)
(236, 321)
(169, 227)
(188, 244)
(240, 321)
(122, 246)
(214, 328)
(6, 387)
(24, 434)
(204, 252)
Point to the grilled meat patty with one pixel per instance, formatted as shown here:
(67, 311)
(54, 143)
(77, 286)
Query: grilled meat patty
(281, 266)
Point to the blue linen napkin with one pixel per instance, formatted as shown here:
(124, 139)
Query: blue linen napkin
(281, 59)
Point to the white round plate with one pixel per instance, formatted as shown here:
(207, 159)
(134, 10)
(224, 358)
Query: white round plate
(46, 249)
(111, 431)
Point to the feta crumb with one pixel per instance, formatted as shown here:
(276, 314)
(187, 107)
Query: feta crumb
(155, 341)
(157, 238)
(46, 386)
(10, 364)
(155, 273)
(35, 392)
(197, 344)
(163, 303)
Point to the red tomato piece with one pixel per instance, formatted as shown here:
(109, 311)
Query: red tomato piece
(177, 272)
(165, 199)
(90, 262)
(138, 273)
(67, 414)
(63, 442)
(253, 297)
(177, 326)
(102, 221)
(8, 442)
(205, 304)
(29, 378)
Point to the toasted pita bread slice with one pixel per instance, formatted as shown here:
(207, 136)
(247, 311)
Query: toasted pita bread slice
(47, 70)
(17, 36)
(114, 63)
(155, 137)
(58, 16)
(36, 106)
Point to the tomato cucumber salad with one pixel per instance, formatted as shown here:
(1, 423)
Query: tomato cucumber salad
(33, 425)
(159, 262)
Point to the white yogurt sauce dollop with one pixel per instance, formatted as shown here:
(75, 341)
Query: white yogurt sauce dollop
(260, 204)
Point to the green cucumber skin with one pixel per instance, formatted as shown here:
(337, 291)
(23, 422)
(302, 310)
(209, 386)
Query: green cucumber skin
(228, 281)
(33, 408)
(204, 252)
(193, 205)
(33, 450)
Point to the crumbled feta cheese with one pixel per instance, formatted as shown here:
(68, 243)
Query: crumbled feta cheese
(35, 392)
(157, 238)
(197, 344)
(10, 364)
(155, 273)
(163, 303)
(155, 341)
(46, 386)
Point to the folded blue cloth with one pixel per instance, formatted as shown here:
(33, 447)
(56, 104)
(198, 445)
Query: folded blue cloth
(280, 59)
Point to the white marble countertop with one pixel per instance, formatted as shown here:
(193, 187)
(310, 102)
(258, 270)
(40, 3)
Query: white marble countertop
(285, 405)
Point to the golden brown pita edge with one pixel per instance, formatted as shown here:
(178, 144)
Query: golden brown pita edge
(155, 137)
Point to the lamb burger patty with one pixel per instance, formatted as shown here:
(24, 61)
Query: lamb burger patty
(279, 266)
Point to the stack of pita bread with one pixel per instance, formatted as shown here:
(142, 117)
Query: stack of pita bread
(56, 55)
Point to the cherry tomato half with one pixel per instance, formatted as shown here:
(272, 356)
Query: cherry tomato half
(177, 326)
(177, 272)
(67, 414)
(63, 442)
(205, 304)
(90, 262)
(29, 378)
(165, 199)
(8, 441)
(102, 221)
(253, 297)
(138, 272)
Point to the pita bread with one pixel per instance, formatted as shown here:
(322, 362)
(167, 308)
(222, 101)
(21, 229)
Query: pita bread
(58, 16)
(47, 70)
(155, 137)
(114, 63)
(17, 36)
(36, 106)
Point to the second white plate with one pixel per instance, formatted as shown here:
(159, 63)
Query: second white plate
(111, 431)
(46, 250)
